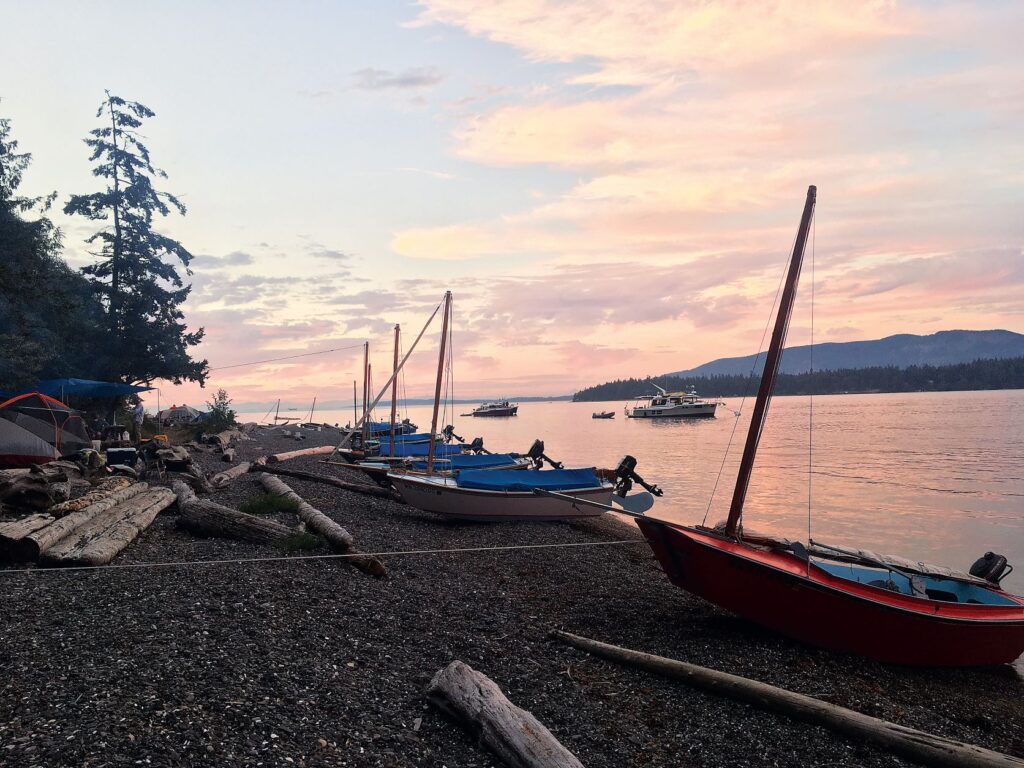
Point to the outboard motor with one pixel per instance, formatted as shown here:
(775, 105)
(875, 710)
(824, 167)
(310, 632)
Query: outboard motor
(991, 567)
(626, 475)
(536, 454)
(477, 446)
(449, 434)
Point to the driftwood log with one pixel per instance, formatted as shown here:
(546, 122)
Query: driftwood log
(225, 478)
(369, 490)
(105, 488)
(279, 457)
(513, 734)
(228, 455)
(37, 542)
(224, 438)
(909, 743)
(99, 540)
(340, 540)
(13, 533)
(211, 519)
(37, 489)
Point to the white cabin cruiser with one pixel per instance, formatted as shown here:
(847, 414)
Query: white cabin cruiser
(498, 408)
(672, 405)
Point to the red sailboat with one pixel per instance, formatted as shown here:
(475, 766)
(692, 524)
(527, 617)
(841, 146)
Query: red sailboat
(883, 607)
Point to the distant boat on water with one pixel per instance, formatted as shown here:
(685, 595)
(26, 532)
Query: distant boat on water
(603, 415)
(497, 408)
(671, 405)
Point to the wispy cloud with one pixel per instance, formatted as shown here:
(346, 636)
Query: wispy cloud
(414, 78)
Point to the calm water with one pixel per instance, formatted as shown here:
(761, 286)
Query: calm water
(929, 476)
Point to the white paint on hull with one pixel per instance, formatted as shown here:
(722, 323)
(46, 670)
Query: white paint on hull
(442, 496)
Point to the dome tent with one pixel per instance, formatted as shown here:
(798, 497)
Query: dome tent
(35, 429)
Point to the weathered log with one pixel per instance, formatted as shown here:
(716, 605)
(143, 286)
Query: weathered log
(12, 533)
(102, 538)
(279, 457)
(513, 734)
(369, 490)
(921, 747)
(339, 539)
(211, 519)
(39, 488)
(104, 488)
(228, 455)
(223, 479)
(33, 545)
(226, 437)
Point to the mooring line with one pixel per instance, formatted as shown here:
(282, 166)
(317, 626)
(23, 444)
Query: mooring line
(301, 558)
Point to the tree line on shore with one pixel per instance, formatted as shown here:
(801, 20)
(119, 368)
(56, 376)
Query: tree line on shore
(1003, 373)
(118, 318)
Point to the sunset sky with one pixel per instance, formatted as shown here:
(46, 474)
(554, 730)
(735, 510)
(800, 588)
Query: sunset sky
(609, 189)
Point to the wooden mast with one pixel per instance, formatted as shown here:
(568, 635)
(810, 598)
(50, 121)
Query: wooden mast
(771, 366)
(355, 405)
(394, 392)
(366, 383)
(440, 374)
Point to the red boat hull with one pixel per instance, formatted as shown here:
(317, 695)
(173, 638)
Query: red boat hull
(777, 590)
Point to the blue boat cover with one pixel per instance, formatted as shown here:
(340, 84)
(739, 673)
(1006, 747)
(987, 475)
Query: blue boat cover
(419, 437)
(519, 480)
(472, 461)
(422, 449)
(379, 427)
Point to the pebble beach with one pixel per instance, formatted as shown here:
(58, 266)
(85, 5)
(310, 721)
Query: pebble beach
(268, 658)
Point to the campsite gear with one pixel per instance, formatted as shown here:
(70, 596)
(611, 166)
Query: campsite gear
(890, 609)
(127, 456)
(35, 429)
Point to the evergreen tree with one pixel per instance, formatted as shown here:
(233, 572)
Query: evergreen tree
(48, 314)
(137, 272)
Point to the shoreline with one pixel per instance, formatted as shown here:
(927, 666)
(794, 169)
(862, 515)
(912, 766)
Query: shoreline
(312, 660)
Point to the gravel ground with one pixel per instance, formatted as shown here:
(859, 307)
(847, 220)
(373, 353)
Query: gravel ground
(313, 663)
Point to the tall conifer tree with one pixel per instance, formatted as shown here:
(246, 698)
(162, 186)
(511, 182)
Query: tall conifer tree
(137, 273)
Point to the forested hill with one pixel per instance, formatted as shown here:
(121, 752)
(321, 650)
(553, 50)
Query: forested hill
(942, 348)
(1005, 373)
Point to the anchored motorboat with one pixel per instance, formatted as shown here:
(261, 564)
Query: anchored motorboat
(603, 415)
(671, 405)
(497, 408)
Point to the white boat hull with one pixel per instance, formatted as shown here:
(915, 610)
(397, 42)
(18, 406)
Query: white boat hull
(442, 496)
(681, 410)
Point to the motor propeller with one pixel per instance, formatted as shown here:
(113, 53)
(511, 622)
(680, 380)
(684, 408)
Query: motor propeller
(449, 434)
(538, 457)
(626, 475)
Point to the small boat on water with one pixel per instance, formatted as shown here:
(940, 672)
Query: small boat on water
(603, 415)
(887, 608)
(671, 405)
(497, 408)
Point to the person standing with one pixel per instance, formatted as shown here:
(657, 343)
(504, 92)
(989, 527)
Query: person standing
(138, 414)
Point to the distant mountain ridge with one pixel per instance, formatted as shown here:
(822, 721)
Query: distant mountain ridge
(901, 351)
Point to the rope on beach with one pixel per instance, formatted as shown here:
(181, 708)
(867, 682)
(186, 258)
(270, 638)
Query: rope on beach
(301, 558)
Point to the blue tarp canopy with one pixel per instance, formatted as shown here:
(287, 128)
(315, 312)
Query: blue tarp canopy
(472, 461)
(61, 388)
(519, 480)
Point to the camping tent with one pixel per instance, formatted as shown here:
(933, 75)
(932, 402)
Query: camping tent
(177, 414)
(35, 429)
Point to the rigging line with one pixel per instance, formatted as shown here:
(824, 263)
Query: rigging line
(299, 558)
(288, 357)
(746, 385)
(810, 399)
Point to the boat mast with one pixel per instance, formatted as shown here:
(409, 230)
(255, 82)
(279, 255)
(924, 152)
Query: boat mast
(355, 405)
(771, 366)
(440, 373)
(366, 383)
(394, 393)
(311, 409)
